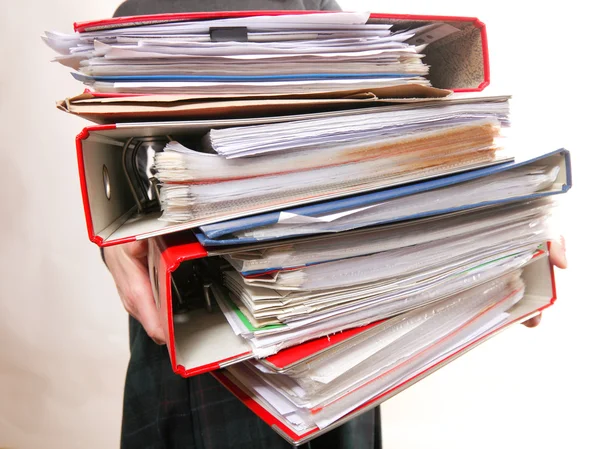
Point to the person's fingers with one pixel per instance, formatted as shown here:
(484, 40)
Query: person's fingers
(128, 264)
(138, 250)
(139, 303)
(139, 295)
(533, 322)
(558, 256)
(147, 313)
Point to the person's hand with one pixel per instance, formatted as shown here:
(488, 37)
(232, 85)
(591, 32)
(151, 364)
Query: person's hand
(128, 264)
(558, 258)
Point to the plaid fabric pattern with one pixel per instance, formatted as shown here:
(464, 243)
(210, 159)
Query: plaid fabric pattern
(162, 410)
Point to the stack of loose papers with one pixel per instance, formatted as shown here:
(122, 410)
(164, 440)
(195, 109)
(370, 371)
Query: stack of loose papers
(265, 167)
(256, 56)
(335, 114)
(287, 294)
(319, 391)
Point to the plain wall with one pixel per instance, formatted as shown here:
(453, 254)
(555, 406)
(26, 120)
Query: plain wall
(63, 331)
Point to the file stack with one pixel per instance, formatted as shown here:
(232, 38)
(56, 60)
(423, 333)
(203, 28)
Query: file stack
(333, 207)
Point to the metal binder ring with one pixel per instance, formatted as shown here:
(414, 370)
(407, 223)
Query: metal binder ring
(207, 296)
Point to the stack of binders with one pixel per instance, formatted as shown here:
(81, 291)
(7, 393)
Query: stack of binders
(333, 208)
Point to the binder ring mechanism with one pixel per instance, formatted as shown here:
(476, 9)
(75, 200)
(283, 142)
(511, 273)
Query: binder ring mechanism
(138, 158)
(192, 288)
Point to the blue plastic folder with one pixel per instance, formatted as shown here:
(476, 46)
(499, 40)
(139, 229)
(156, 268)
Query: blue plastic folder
(221, 234)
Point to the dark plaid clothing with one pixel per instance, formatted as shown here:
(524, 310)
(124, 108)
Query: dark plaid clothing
(162, 410)
(137, 7)
(165, 411)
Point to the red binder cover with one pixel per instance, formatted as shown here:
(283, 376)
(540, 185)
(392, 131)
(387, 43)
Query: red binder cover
(206, 342)
(110, 207)
(463, 59)
(191, 342)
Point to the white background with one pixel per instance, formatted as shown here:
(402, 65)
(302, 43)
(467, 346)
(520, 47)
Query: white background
(63, 333)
